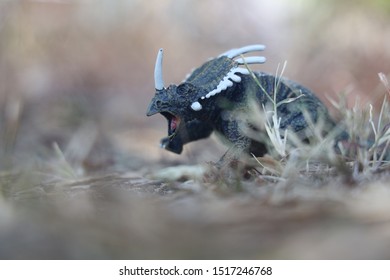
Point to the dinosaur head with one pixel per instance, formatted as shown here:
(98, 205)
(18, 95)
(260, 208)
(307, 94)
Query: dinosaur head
(171, 103)
(187, 106)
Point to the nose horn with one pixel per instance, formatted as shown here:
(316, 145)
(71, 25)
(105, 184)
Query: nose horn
(158, 77)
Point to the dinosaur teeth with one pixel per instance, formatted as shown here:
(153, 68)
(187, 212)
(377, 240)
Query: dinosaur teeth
(173, 123)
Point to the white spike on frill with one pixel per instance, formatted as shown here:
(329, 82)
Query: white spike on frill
(250, 60)
(196, 106)
(231, 76)
(236, 52)
(223, 85)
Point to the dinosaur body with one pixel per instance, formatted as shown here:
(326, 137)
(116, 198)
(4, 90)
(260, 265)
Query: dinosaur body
(216, 96)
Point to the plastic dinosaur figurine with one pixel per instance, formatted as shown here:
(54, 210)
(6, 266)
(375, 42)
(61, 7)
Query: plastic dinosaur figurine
(213, 96)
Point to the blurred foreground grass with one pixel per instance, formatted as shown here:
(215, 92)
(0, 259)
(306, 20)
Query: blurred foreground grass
(78, 154)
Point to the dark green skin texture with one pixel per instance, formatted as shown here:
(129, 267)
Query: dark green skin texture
(220, 113)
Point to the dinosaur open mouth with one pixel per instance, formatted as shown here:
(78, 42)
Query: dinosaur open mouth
(173, 123)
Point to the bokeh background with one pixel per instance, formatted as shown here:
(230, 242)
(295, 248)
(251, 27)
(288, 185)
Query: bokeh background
(65, 64)
(76, 78)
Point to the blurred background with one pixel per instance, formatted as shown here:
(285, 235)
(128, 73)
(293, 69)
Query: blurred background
(70, 66)
(76, 78)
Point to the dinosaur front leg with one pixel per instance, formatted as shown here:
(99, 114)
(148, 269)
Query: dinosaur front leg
(232, 156)
(239, 144)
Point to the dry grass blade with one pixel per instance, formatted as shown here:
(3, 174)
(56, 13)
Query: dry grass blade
(384, 81)
(364, 153)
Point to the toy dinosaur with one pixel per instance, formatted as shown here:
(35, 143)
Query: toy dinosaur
(210, 97)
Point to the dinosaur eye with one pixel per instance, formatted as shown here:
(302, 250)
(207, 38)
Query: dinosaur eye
(182, 89)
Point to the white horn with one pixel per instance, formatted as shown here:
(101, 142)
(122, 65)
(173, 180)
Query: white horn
(251, 60)
(158, 78)
(236, 52)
